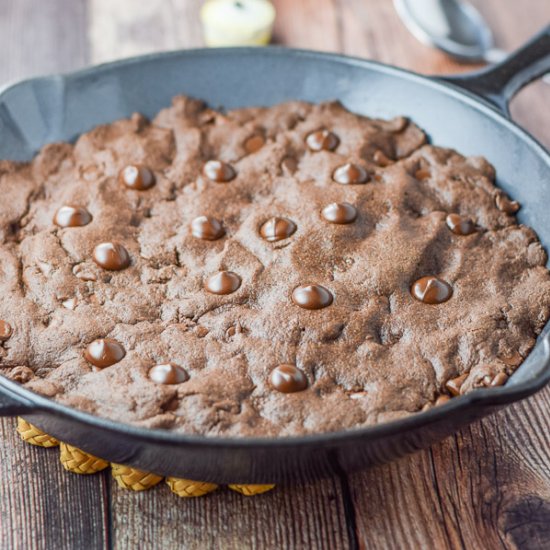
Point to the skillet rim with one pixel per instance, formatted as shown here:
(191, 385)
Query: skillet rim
(33, 404)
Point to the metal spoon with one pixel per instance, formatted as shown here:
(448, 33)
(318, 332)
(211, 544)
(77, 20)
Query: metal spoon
(453, 26)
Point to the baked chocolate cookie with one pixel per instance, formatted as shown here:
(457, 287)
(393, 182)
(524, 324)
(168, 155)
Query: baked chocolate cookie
(262, 272)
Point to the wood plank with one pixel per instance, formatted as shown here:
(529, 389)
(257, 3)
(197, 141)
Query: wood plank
(311, 516)
(314, 24)
(125, 28)
(41, 37)
(486, 487)
(43, 506)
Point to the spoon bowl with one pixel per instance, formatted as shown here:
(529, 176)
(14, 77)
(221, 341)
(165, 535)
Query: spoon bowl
(453, 26)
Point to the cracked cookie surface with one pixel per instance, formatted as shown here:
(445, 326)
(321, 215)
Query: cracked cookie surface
(372, 353)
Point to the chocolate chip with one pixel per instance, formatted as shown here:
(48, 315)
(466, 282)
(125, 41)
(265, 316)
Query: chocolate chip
(288, 379)
(85, 276)
(72, 216)
(277, 229)
(219, 171)
(254, 143)
(137, 177)
(224, 282)
(104, 353)
(5, 331)
(207, 228)
(341, 213)
(322, 140)
(381, 159)
(312, 296)
(20, 374)
(350, 173)
(201, 331)
(431, 290)
(499, 380)
(422, 174)
(504, 204)
(168, 374)
(441, 400)
(71, 303)
(454, 385)
(111, 256)
(460, 225)
(512, 360)
(289, 165)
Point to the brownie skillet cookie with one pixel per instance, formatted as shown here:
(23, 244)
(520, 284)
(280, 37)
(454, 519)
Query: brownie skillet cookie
(262, 272)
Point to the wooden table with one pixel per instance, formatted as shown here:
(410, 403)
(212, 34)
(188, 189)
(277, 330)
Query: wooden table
(486, 487)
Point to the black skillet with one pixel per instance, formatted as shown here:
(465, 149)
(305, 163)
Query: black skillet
(468, 113)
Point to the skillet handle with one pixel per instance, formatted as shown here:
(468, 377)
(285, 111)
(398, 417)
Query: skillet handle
(499, 83)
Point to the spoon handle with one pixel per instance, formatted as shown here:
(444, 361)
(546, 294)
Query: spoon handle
(499, 83)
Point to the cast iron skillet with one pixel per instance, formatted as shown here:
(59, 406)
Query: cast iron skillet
(468, 113)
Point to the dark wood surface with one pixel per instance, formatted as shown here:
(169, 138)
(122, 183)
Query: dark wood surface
(486, 487)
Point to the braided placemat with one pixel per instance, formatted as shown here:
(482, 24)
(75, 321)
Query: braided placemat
(34, 436)
(134, 479)
(80, 462)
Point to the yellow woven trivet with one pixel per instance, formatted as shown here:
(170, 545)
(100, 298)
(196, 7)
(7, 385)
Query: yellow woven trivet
(251, 490)
(135, 480)
(79, 462)
(31, 434)
(187, 488)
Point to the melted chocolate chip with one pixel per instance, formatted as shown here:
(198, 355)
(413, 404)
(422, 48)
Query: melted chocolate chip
(322, 140)
(340, 213)
(219, 171)
(312, 296)
(460, 225)
(288, 379)
(137, 177)
(422, 174)
(489, 381)
(277, 229)
(5, 331)
(513, 360)
(254, 143)
(441, 400)
(111, 256)
(168, 374)
(224, 282)
(499, 380)
(104, 353)
(289, 165)
(454, 385)
(381, 158)
(431, 290)
(20, 374)
(207, 228)
(504, 204)
(71, 303)
(350, 173)
(72, 216)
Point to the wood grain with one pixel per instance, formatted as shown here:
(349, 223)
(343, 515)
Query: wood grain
(123, 28)
(41, 37)
(486, 487)
(42, 505)
(311, 516)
